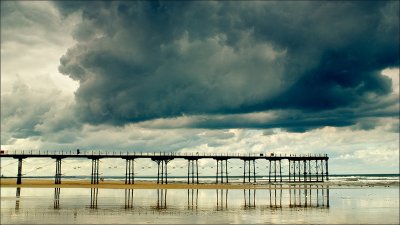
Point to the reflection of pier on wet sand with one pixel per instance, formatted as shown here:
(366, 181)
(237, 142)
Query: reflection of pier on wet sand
(57, 192)
(306, 196)
(128, 198)
(297, 196)
(192, 198)
(94, 194)
(161, 199)
(222, 199)
(17, 195)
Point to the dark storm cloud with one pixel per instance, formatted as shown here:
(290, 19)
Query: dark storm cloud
(137, 61)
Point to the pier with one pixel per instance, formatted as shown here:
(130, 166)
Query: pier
(301, 168)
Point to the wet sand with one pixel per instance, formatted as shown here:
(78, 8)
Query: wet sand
(78, 202)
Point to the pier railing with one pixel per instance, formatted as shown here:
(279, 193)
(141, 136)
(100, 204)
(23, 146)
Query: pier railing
(150, 154)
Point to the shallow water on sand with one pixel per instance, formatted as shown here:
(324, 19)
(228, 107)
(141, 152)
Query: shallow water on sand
(299, 204)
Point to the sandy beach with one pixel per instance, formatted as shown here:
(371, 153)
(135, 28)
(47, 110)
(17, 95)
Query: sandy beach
(11, 182)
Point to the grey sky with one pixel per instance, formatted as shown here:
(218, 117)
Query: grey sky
(203, 76)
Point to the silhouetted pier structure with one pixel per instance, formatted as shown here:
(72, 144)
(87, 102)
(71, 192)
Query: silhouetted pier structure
(302, 168)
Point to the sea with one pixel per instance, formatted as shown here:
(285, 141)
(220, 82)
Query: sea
(344, 199)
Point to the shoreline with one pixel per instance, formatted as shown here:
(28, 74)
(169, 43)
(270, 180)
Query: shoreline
(47, 183)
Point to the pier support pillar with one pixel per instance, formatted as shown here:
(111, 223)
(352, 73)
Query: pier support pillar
(162, 170)
(19, 175)
(299, 170)
(326, 174)
(272, 169)
(193, 171)
(130, 171)
(293, 165)
(290, 162)
(250, 164)
(269, 172)
(316, 169)
(280, 170)
(221, 163)
(322, 170)
(95, 171)
(58, 171)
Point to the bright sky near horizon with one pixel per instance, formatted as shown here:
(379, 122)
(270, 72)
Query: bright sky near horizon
(204, 76)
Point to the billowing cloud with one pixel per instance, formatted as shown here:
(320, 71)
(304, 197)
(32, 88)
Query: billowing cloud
(138, 61)
(33, 112)
(36, 100)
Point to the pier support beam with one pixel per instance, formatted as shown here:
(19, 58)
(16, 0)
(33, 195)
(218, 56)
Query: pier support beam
(130, 171)
(95, 171)
(326, 167)
(272, 168)
(162, 170)
(221, 163)
(299, 170)
(58, 171)
(322, 170)
(19, 175)
(280, 170)
(251, 170)
(294, 170)
(290, 164)
(308, 169)
(193, 171)
(297, 166)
